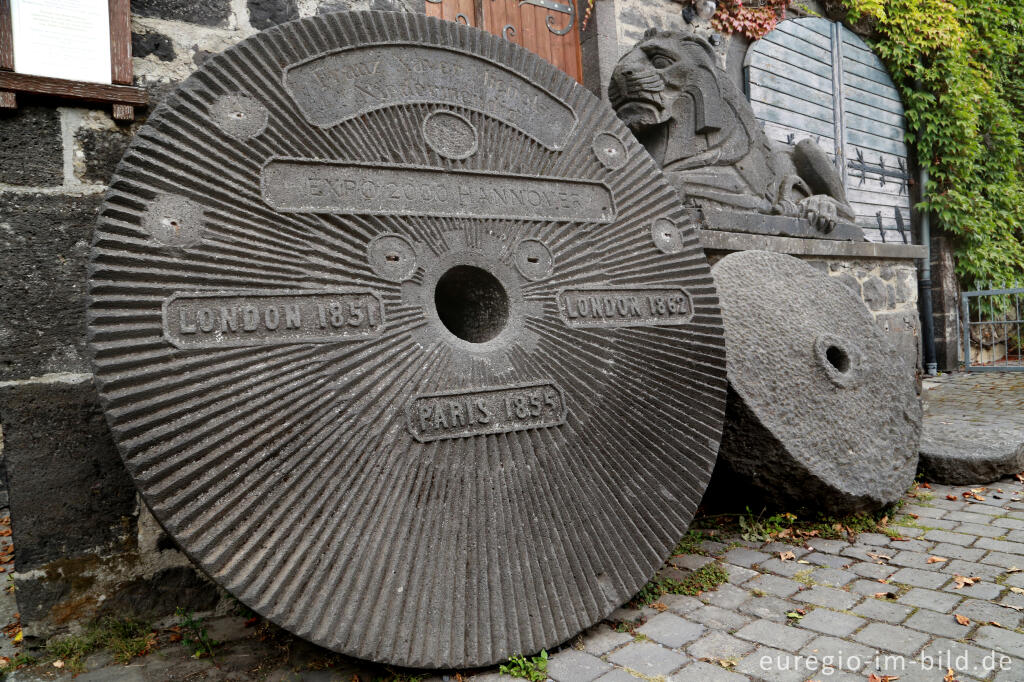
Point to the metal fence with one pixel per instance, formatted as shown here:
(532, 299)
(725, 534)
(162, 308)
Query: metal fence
(993, 330)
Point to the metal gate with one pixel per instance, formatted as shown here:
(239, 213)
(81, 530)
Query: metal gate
(993, 330)
(547, 28)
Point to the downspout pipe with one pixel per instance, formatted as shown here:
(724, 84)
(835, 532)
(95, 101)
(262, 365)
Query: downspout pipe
(924, 286)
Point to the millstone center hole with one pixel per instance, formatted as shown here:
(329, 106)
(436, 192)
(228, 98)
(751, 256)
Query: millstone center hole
(471, 303)
(838, 358)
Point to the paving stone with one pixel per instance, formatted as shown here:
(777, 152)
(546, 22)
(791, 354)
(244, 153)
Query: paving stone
(681, 604)
(838, 654)
(671, 630)
(1003, 559)
(970, 568)
(862, 552)
(872, 570)
(772, 665)
(827, 546)
(785, 568)
(926, 512)
(774, 634)
(648, 658)
(933, 524)
(943, 624)
(948, 505)
(912, 545)
(773, 585)
(1000, 639)
(742, 556)
(919, 578)
(1000, 546)
(985, 611)
(950, 551)
(700, 671)
(712, 547)
(834, 577)
(880, 609)
(911, 560)
(1014, 580)
(718, 618)
(979, 590)
(874, 539)
(968, 517)
(601, 639)
(726, 596)
(831, 622)
(769, 608)
(1007, 522)
(692, 561)
(930, 599)
(965, 658)
(892, 638)
(978, 529)
(1012, 536)
(719, 645)
(950, 537)
(570, 665)
(739, 575)
(827, 596)
(829, 560)
(776, 548)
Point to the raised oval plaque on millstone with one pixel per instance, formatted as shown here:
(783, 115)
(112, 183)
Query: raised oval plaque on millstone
(405, 340)
(822, 409)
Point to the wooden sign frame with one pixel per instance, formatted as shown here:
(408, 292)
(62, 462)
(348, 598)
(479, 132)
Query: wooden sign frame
(121, 93)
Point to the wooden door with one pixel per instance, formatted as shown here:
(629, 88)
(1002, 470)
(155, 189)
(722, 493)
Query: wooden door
(548, 28)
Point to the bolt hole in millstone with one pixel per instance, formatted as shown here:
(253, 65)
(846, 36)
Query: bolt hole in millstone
(471, 303)
(838, 358)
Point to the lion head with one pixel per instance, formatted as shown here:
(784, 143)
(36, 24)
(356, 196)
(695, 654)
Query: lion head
(664, 66)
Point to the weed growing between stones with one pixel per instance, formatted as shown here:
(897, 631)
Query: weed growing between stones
(20, 660)
(704, 579)
(194, 636)
(533, 669)
(124, 639)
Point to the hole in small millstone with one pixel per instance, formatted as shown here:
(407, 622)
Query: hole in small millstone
(391, 257)
(532, 259)
(471, 303)
(838, 358)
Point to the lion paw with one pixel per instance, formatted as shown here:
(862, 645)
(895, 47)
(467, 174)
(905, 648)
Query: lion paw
(820, 211)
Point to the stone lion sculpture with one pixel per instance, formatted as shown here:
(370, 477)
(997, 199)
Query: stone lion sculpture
(700, 128)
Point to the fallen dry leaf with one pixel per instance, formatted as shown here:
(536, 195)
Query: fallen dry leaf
(1017, 590)
(963, 620)
(913, 516)
(879, 558)
(659, 606)
(787, 556)
(58, 664)
(925, 485)
(936, 559)
(963, 581)
(882, 678)
(1019, 477)
(951, 497)
(1013, 569)
(997, 624)
(885, 595)
(949, 676)
(801, 561)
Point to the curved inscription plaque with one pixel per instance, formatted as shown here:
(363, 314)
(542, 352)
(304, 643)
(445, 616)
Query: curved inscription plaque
(360, 345)
(333, 88)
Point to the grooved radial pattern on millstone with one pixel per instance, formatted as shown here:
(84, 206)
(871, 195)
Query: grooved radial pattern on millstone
(425, 373)
(822, 409)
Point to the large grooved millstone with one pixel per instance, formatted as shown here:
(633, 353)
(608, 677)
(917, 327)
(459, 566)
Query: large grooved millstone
(822, 411)
(427, 418)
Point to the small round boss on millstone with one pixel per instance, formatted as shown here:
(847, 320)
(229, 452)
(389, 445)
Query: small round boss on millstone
(415, 402)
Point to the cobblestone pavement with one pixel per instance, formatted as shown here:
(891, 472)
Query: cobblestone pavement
(947, 593)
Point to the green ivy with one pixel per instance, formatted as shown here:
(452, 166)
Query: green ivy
(959, 65)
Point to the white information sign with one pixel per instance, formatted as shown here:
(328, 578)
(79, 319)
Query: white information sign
(62, 39)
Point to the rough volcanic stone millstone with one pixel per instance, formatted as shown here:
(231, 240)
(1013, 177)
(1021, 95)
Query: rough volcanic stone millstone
(822, 411)
(405, 340)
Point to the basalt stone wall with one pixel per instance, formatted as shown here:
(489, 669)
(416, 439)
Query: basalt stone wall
(84, 543)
